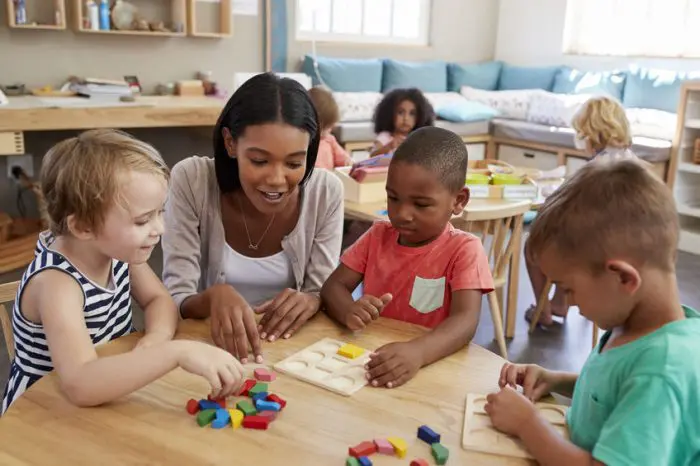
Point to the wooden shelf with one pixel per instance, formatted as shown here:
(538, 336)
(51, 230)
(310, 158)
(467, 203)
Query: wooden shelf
(58, 13)
(224, 20)
(133, 33)
(178, 16)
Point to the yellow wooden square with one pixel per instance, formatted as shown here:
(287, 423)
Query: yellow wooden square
(350, 351)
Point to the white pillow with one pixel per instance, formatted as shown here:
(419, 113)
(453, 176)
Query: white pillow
(548, 108)
(651, 123)
(357, 106)
(443, 99)
(513, 104)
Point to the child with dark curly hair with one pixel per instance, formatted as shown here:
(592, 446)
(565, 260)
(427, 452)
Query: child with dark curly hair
(399, 112)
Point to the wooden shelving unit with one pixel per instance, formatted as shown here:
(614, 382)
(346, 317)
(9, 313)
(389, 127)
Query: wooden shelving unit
(222, 10)
(32, 7)
(178, 15)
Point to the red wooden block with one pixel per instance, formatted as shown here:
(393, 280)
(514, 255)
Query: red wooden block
(272, 415)
(220, 401)
(247, 385)
(419, 462)
(363, 449)
(256, 422)
(193, 407)
(277, 399)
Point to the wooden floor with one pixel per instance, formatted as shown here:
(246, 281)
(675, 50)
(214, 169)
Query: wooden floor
(562, 347)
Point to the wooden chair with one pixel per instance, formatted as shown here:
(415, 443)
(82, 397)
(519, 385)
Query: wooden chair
(8, 291)
(542, 300)
(500, 228)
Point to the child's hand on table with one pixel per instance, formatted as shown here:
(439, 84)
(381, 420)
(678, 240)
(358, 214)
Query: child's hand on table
(535, 380)
(221, 369)
(365, 310)
(394, 364)
(510, 412)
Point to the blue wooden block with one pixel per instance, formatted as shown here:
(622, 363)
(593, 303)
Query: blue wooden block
(428, 435)
(208, 404)
(222, 419)
(260, 396)
(263, 405)
(364, 461)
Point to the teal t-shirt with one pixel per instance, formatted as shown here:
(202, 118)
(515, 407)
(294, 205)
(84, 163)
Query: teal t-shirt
(639, 404)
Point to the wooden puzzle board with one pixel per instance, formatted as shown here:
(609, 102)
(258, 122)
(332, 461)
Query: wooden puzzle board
(320, 365)
(480, 435)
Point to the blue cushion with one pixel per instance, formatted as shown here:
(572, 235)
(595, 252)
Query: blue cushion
(527, 77)
(346, 74)
(426, 76)
(571, 81)
(466, 111)
(658, 89)
(477, 75)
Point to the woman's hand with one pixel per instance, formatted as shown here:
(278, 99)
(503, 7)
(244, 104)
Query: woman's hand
(233, 322)
(285, 314)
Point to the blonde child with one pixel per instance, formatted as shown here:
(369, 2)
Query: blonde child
(105, 193)
(330, 153)
(417, 267)
(397, 114)
(608, 238)
(603, 132)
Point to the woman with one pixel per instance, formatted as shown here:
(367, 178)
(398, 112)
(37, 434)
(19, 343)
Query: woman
(255, 229)
(603, 132)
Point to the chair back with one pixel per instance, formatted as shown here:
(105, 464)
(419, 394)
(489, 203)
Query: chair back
(8, 292)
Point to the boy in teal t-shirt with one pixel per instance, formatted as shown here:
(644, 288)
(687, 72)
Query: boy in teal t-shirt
(608, 238)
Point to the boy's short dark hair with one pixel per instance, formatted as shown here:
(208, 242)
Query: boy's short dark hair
(609, 209)
(326, 107)
(385, 111)
(439, 150)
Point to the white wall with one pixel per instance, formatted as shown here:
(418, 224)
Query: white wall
(530, 32)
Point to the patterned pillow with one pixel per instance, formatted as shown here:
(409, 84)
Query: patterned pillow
(651, 123)
(547, 108)
(357, 106)
(513, 104)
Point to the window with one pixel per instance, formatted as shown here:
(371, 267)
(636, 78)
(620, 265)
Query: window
(371, 21)
(640, 28)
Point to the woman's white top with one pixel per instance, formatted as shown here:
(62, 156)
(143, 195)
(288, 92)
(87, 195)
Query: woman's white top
(257, 279)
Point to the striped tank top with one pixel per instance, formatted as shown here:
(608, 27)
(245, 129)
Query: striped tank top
(107, 313)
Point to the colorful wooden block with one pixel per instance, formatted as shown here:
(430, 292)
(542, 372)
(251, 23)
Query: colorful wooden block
(208, 404)
(352, 461)
(257, 388)
(236, 417)
(384, 447)
(247, 408)
(399, 445)
(192, 406)
(428, 435)
(440, 453)
(277, 399)
(269, 414)
(364, 461)
(262, 405)
(259, 396)
(256, 422)
(205, 417)
(350, 351)
(362, 449)
(419, 462)
(222, 419)
(220, 401)
(247, 385)
(264, 375)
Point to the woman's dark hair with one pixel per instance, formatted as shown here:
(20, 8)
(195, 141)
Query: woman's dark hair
(385, 112)
(264, 98)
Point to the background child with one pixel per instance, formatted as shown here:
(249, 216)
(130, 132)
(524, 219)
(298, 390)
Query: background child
(603, 132)
(397, 114)
(608, 237)
(105, 193)
(417, 268)
(330, 153)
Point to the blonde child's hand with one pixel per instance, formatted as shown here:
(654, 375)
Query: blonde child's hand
(152, 339)
(221, 369)
(365, 310)
(394, 364)
(510, 412)
(535, 380)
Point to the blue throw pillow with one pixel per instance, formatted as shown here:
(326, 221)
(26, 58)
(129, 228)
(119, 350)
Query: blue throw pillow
(657, 89)
(477, 75)
(466, 111)
(572, 81)
(426, 76)
(346, 74)
(527, 77)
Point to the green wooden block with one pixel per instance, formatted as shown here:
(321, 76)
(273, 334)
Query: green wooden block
(258, 388)
(205, 417)
(247, 407)
(351, 461)
(440, 453)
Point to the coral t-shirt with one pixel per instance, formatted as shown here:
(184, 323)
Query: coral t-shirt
(420, 279)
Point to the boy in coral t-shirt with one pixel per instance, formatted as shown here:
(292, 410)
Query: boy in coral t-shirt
(416, 268)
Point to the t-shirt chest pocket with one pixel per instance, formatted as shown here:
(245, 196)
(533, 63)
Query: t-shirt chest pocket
(428, 294)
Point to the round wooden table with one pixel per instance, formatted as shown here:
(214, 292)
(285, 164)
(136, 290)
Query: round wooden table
(152, 427)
